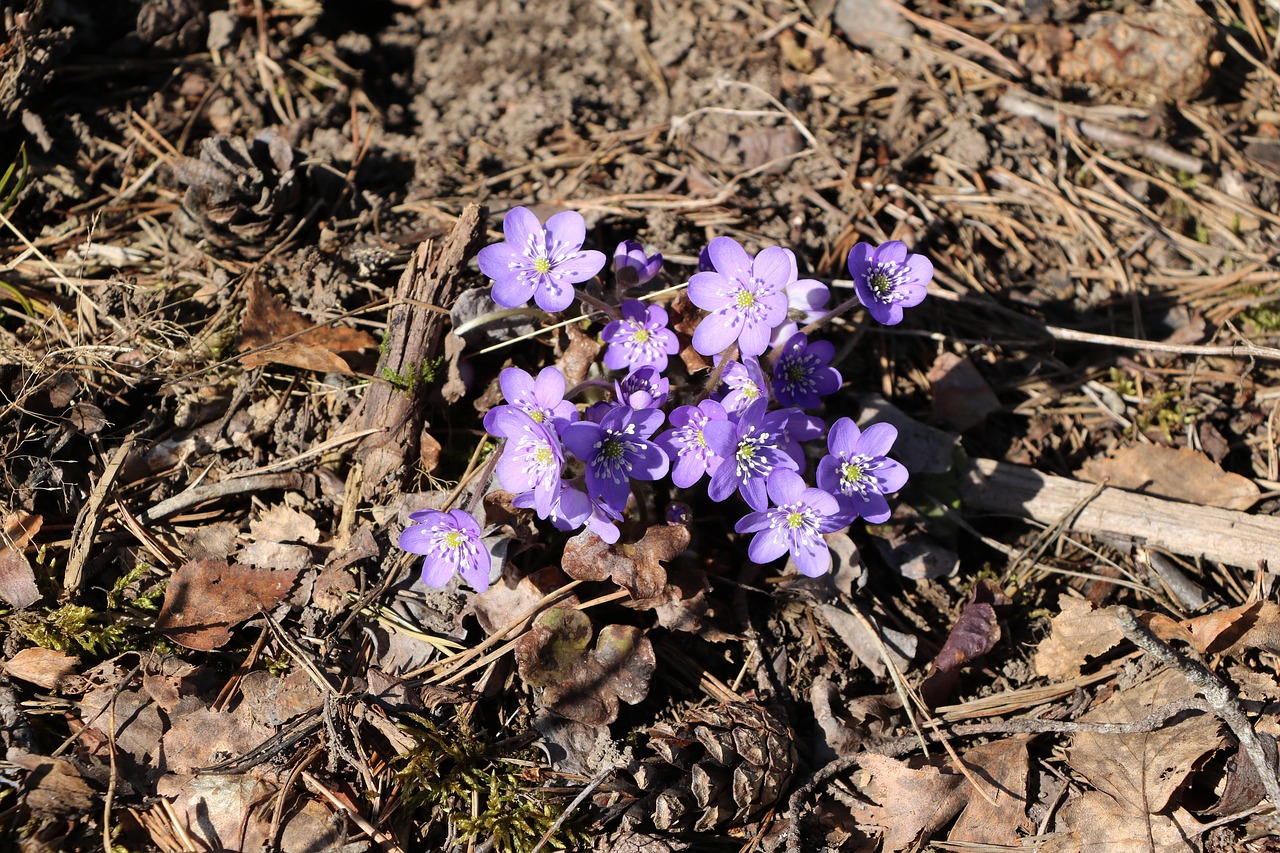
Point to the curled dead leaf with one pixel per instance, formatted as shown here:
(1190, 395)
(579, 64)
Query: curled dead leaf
(975, 633)
(1179, 473)
(580, 682)
(266, 323)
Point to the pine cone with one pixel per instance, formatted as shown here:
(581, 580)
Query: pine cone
(241, 193)
(716, 768)
(1163, 54)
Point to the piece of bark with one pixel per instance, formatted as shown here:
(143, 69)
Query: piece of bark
(414, 333)
(1223, 535)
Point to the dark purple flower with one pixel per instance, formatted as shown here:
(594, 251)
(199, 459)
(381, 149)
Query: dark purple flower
(532, 459)
(641, 338)
(888, 279)
(745, 297)
(704, 260)
(572, 509)
(544, 262)
(541, 399)
(742, 383)
(797, 427)
(686, 445)
(752, 449)
(643, 389)
(802, 372)
(795, 523)
(596, 411)
(858, 472)
(617, 451)
(451, 542)
(632, 266)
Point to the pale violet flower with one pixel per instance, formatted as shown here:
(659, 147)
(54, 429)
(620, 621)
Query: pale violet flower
(543, 262)
(746, 297)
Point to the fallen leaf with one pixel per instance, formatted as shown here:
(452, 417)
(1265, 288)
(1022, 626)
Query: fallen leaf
(272, 700)
(206, 598)
(914, 553)
(636, 568)
(1077, 633)
(17, 581)
(682, 604)
(55, 788)
(1143, 771)
(975, 633)
(859, 639)
(962, 399)
(1095, 823)
(138, 728)
(1179, 473)
(1238, 629)
(43, 667)
(579, 356)
(503, 602)
(579, 682)
(267, 320)
(201, 737)
(223, 811)
(907, 804)
(1002, 769)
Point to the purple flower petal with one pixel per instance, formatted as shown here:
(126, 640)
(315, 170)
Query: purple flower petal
(751, 522)
(775, 266)
(876, 440)
(895, 251)
(767, 546)
(495, 261)
(512, 292)
(717, 332)
(844, 436)
(569, 229)
(813, 559)
(860, 260)
(785, 487)
(729, 258)
(521, 228)
(709, 290)
(892, 475)
(581, 267)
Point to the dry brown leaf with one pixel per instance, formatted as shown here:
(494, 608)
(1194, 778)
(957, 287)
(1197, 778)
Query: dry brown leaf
(17, 581)
(636, 568)
(138, 728)
(908, 804)
(1143, 771)
(502, 603)
(975, 633)
(1231, 632)
(1179, 473)
(1095, 823)
(579, 356)
(682, 604)
(201, 737)
(43, 667)
(1078, 633)
(267, 320)
(582, 682)
(962, 399)
(55, 787)
(1001, 768)
(206, 598)
(859, 639)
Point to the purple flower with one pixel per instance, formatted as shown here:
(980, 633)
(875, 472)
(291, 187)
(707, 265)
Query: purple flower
(806, 302)
(596, 411)
(802, 372)
(704, 260)
(617, 451)
(857, 471)
(798, 427)
(532, 459)
(452, 543)
(541, 399)
(888, 279)
(752, 449)
(643, 389)
(539, 261)
(641, 338)
(686, 444)
(745, 297)
(745, 383)
(632, 266)
(796, 523)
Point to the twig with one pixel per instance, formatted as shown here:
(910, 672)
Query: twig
(213, 491)
(1216, 693)
(386, 841)
(90, 518)
(835, 768)
(577, 801)
(1051, 116)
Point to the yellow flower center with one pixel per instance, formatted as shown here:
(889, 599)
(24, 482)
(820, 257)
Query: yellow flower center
(746, 452)
(750, 390)
(701, 439)
(745, 299)
(880, 284)
(795, 520)
(641, 336)
(454, 539)
(538, 416)
(542, 266)
(852, 472)
(543, 455)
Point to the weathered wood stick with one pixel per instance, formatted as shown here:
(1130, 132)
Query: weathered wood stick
(1223, 535)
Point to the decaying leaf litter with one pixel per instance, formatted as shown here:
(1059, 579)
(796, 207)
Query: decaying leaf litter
(237, 256)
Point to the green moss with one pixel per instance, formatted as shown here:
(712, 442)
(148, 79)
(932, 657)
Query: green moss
(420, 374)
(455, 773)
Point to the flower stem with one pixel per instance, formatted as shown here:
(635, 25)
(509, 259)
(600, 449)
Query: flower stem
(585, 384)
(716, 372)
(598, 304)
(851, 302)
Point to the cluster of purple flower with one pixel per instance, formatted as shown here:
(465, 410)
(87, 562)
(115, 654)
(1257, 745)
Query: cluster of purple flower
(746, 437)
